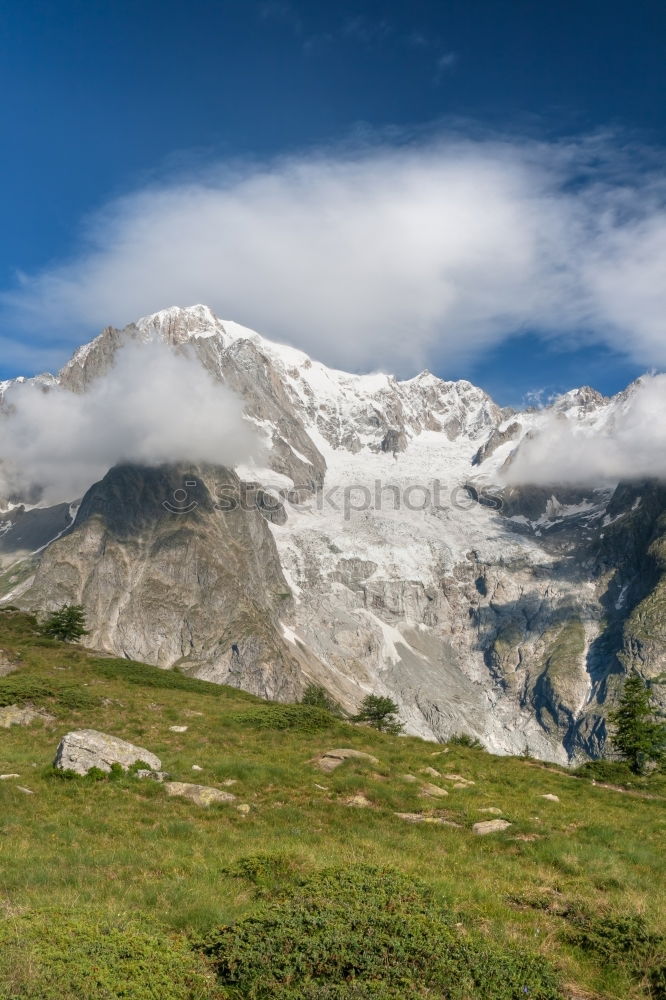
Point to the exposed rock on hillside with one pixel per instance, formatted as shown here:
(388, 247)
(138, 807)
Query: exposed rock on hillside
(84, 749)
(200, 590)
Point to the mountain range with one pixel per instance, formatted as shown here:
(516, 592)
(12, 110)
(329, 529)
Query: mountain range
(377, 542)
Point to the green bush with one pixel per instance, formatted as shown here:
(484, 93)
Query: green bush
(52, 956)
(611, 936)
(318, 697)
(617, 941)
(368, 934)
(613, 771)
(153, 677)
(17, 689)
(304, 718)
(74, 698)
(95, 774)
(658, 982)
(266, 871)
(465, 740)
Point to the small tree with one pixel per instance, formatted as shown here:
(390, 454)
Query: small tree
(638, 737)
(379, 712)
(318, 697)
(465, 740)
(68, 624)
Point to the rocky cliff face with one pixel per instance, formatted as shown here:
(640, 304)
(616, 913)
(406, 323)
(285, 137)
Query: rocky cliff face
(374, 552)
(186, 587)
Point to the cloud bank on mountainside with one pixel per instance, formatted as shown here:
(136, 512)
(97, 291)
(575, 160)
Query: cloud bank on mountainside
(153, 406)
(630, 445)
(391, 257)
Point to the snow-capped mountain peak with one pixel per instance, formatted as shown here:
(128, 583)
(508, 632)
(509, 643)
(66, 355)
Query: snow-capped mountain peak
(381, 551)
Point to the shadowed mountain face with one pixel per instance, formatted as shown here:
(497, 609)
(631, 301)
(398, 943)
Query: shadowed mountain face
(375, 551)
(179, 587)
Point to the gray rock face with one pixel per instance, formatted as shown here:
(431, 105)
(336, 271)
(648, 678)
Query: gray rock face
(333, 758)
(8, 663)
(423, 818)
(83, 749)
(490, 826)
(201, 795)
(22, 715)
(22, 531)
(433, 790)
(145, 775)
(200, 591)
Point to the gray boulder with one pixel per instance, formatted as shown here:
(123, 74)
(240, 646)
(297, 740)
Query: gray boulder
(22, 715)
(202, 795)
(8, 663)
(333, 758)
(490, 826)
(83, 749)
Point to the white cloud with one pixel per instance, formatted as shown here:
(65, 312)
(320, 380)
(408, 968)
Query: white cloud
(425, 254)
(153, 406)
(631, 445)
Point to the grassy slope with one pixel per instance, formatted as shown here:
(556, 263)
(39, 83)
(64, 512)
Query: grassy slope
(123, 847)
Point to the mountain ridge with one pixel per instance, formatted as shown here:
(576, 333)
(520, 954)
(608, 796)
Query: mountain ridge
(473, 617)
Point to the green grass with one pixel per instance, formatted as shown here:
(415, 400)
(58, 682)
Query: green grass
(117, 852)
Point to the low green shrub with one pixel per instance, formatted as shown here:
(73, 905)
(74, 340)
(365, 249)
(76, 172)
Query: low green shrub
(266, 871)
(465, 740)
(305, 718)
(17, 689)
(117, 773)
(53, 956)
(318, 697)
(153, 677)
(368, 934)
(612, 771)
(610, 936)
(616, 940)
(657, 982)
(76, 698)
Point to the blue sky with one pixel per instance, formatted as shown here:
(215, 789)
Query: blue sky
(136, 101)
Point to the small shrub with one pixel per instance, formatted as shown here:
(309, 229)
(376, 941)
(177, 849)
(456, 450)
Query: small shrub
(365, 933)
(303, 718)
(76, 699)
(318, 697)
(657, 981)
(153, 677)
(611, 771)
(611, 936)
(95, 774)
(53, 956)
(615, 940)
(465, 740)
(17, 690)
(266, 871)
